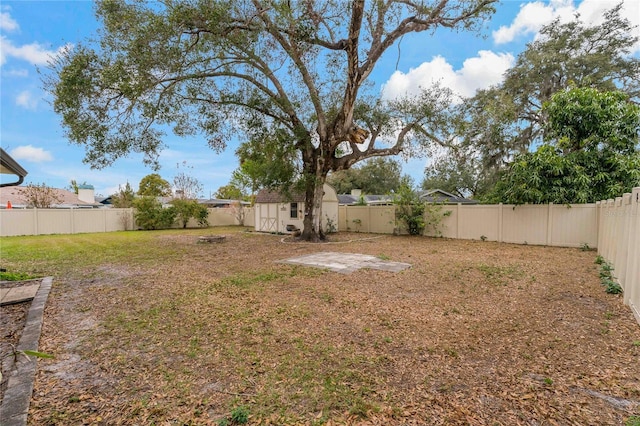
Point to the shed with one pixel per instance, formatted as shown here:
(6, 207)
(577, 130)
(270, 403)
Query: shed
(274, 211)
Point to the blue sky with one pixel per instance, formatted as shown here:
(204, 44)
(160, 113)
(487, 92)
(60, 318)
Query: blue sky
(32, 31)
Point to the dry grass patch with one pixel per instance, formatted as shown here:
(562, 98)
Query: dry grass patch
(176, 332)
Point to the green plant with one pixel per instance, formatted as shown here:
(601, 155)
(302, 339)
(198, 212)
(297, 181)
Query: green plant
(410, 210)
(434, 216)
(599, 260)
(151, 215)
(383, 256)
(608, 280)
(548, 381)
(240, 415)
(186, 209)
(483, 237)
(15, 353)
(585, 247)
(331, 226)
(14, 276)
(632, 421)
(357, 223)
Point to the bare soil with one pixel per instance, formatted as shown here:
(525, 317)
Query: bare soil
(474, 332)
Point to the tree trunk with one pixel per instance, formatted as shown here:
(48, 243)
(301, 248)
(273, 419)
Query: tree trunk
(314, 192)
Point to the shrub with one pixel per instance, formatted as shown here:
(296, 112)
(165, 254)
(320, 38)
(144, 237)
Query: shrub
(151, 215)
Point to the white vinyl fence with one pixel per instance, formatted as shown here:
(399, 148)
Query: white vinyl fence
(74, 221)
(546, 224)
(619, 243)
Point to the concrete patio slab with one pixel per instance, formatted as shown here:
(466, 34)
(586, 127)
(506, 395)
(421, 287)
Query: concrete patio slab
(346, 263)
(18, 294)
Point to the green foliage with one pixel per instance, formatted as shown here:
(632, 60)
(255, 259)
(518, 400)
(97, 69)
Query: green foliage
(434, 215)
(124, 198)
(74, 185)
(410, 210)
(632, 421)
(154, 185)
(14, 276)
(508, 119)
(211, 69)
(230, 192)
(240, 415)
(607, 279)
(267, 160)
(375, 176)
(591, 152)
(150, 214)
(331, 226)
(187, 209)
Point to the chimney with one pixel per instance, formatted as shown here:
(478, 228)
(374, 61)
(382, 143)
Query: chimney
(86, 193)
(356, 192)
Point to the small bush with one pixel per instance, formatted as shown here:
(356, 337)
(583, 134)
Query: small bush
(151, 215)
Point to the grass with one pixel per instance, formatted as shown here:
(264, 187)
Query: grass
(188, 333)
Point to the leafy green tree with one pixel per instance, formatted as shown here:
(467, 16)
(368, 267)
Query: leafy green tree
(150, 214)
(267, 160)
(186, 209)
(153, 185)
(225, 67)
(124, 197)
(508, 119)
(374, 176)
(230, 192)
(591, 152)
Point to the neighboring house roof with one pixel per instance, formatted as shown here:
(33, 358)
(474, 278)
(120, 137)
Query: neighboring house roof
(15, 195)
(431, 196)
(9, 166)
(217, 202)
(347, 199)
(440, 196)
(370, 200)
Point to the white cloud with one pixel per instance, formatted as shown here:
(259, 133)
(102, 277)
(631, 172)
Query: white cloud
(7, 23)
(26, 100)
(31, 153)
(33, 53)
(479, 72)
(535, 15)
(15, 72)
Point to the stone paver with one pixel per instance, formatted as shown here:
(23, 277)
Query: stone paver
(18, 294)
(346, 263)
(14, 407)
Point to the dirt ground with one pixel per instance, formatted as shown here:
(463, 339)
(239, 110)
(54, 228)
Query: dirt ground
(476, 333)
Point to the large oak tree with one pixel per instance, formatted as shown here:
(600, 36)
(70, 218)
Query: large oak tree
(219, 67)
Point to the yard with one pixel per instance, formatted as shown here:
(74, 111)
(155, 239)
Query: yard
(154, 328)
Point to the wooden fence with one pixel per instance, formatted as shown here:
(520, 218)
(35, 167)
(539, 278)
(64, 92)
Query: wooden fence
(74, 221)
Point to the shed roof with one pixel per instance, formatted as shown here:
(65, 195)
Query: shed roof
(266, 196)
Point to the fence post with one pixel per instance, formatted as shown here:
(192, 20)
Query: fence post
(500, 222)
(549, 223)
(458, 220)
(36, 231)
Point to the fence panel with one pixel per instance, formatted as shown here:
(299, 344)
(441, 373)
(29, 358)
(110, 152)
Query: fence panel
(619, 243)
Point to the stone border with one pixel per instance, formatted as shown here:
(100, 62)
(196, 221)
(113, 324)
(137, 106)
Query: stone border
(15, 404)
